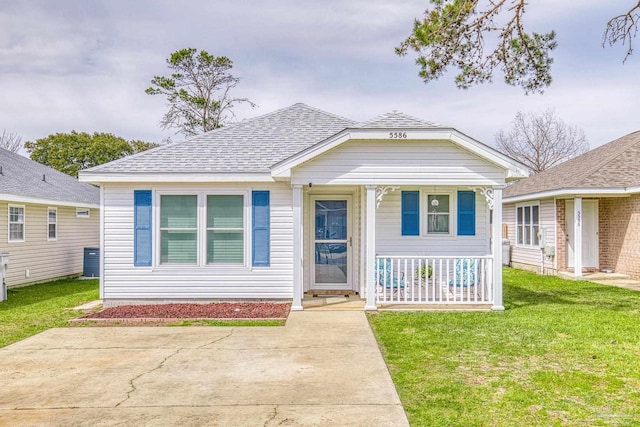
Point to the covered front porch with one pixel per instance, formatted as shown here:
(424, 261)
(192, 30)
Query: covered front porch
(350, 240)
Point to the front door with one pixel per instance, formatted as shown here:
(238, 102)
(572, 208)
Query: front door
(590, 247)
(331, 243)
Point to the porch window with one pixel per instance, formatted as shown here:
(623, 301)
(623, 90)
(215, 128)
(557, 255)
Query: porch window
(225, 229)
(438, 214)
(52, 224)
(179, 229)
(527, 224)
(16, 223)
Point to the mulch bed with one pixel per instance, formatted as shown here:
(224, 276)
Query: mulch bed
(222, 310)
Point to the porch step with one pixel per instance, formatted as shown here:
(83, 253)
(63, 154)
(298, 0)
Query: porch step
(330, 292)
(595, 276)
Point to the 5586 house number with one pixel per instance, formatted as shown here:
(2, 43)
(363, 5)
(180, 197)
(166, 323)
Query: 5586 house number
(397, 135)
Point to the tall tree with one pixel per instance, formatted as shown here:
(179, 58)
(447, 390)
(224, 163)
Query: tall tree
(541, 141)
(72, 152)
(10, 141)
(479, 38)
(198, 91)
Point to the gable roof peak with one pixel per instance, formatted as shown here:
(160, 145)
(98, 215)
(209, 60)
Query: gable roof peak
(395, 119)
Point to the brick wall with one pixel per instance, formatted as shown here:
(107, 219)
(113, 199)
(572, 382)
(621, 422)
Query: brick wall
(561, 236)
(619, 223)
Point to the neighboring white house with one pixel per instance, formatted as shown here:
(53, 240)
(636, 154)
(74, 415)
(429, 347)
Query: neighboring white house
(301, 200)
(48, 217)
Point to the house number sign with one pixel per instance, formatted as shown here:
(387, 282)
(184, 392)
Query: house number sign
(397, 135)
(578, 217)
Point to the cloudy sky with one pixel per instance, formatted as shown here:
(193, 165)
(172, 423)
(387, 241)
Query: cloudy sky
(84, 65)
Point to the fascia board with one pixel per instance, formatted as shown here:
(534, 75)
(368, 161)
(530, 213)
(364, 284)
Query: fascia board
(13, 198)
(100, 177)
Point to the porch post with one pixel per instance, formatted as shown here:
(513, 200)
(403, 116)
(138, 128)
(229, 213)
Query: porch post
(371, 248)
(497, 249)
(577, 237)
(297, 248)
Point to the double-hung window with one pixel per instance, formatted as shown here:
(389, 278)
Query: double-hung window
(225, 229)
(438, 214)
(16, 223)
(52, 224)
(527, 224)
(178, 229)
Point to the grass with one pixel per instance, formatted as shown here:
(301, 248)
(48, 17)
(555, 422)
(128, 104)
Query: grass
(563, 353)
(33, 309)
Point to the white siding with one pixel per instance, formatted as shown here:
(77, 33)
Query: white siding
(401, 162)
(45, 259)
(531, 255)
(122, 280)
(390, 241)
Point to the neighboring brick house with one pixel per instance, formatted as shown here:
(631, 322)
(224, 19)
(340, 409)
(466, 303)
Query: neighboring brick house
(600, 188)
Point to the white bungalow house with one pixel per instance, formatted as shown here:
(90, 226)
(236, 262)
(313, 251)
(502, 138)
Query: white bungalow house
(303, 201)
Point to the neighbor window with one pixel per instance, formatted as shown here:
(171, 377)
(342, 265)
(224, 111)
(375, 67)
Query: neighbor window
(83, 213)
(52, 224)
(527, 224)
(225, 229)
(438, 214)
(16, 223)
(179, 229)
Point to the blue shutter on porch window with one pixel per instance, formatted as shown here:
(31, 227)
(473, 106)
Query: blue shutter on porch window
(260, 230)
(466, 213)
(410, 213)
(142, 228)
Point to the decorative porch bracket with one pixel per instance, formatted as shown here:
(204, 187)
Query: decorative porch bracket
(488, 194)
(382, 191)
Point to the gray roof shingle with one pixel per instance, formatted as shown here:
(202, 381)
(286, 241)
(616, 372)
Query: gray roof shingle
(613, 165)
(396, 119)
(249, 146)
(23, 177)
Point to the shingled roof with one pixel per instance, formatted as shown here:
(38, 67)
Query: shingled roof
(250, 146)
(615, 165)
(24, 178)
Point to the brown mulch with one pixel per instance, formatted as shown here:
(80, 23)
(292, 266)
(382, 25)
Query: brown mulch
(222, 310)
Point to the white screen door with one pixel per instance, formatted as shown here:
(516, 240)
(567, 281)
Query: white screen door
(331, 243)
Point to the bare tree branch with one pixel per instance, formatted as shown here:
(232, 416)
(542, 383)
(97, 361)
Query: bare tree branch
(541, 141)
(10, 141)
(623, 28)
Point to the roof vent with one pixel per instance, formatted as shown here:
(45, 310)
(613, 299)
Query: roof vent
(44, 177)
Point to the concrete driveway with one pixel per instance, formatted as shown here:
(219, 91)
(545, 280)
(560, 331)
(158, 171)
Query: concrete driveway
(322, 368)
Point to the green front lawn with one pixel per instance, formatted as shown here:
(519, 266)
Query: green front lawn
(33, 309)
(563, 353)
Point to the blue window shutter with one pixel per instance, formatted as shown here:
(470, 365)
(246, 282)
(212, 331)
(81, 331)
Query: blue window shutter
(410, 213)
(466, 213)
(142, 247)
(260, 223)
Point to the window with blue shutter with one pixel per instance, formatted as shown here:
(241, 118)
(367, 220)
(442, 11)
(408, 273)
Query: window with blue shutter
(142, 248)
(410, 213)
(466, 213)
(260, 229)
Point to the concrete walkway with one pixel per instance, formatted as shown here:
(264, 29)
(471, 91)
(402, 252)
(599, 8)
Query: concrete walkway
(323, 369)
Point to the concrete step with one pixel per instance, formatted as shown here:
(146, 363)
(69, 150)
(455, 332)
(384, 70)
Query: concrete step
(595, 276)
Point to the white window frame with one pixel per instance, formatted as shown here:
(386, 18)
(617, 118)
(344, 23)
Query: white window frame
(534, 239)
(23, 222)
(160, 229)
(245, 228)
(202, 229)
(424, 202)
(49, 223)
(80, 213)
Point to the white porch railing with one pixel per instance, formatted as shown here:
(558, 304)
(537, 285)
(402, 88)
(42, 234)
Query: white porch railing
(434, 280)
